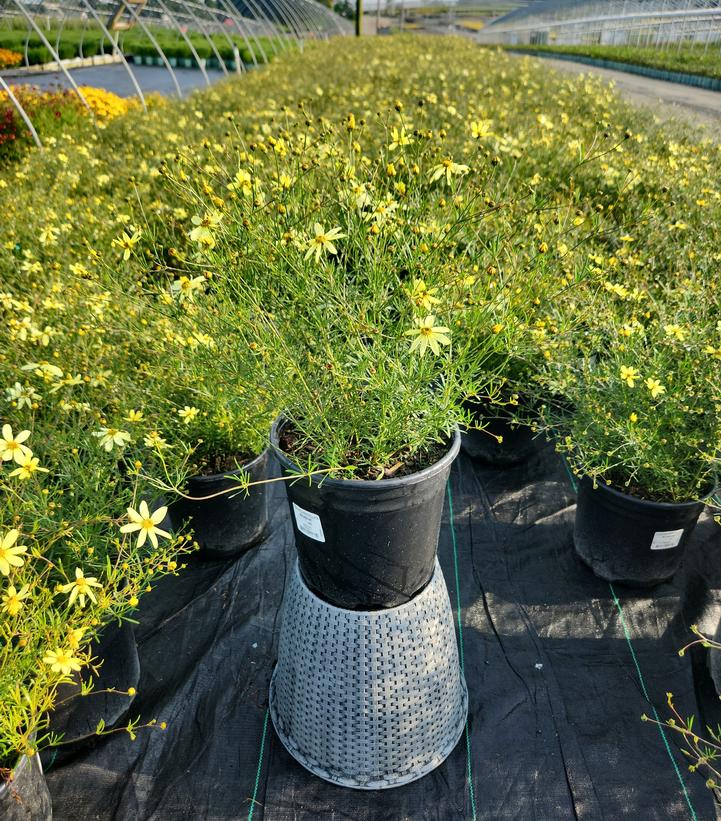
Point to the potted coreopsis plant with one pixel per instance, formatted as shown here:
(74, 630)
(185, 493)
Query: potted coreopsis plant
(638, 424)
(224, 500)
(194, 419)
(69, 564)
(542, 295)
(67, 390)
(317, 272)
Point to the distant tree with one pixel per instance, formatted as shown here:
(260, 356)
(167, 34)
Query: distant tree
(344, 8)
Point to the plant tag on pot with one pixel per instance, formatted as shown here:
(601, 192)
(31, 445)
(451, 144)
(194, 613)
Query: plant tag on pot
(665, 539)
(308, 523)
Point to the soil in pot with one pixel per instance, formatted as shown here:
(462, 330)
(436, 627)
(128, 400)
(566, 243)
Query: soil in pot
(24, 795)
(230, 523)
(626, 539)
(367, 544)
(517, 443)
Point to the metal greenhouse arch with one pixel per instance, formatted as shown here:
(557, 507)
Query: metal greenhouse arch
(209, 30)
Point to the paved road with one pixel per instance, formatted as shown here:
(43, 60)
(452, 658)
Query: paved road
(668, 101)
(115, 78)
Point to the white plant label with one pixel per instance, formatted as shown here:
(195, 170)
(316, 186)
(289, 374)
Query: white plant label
(308, 523)
(665, 539)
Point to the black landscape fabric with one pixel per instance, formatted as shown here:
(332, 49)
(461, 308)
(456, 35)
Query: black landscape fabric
(554, 729)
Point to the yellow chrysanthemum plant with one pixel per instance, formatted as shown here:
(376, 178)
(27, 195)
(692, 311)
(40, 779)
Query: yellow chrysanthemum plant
(78, 548)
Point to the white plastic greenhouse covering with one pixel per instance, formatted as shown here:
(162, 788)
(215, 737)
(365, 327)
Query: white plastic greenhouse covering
(266, 27)
(659, 23)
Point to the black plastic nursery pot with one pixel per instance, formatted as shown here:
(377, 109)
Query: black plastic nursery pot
(227, 524)
(26, 797)
(623, 538)
(517, 441)
(76, 717)
(364, 544)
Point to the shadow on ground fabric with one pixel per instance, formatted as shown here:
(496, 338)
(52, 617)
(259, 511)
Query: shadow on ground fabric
(554, 729)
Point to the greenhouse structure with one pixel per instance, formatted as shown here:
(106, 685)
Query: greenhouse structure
(218, 36)
(659, 23)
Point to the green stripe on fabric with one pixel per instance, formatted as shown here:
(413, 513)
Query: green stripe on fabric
(469, 759)
(659, 724)
(260, 768)
(642, 681)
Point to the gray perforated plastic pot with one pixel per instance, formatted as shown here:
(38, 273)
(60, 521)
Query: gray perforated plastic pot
(369, 700)
(25, 797)
(623, 538)
(367, 545)
(226, 525)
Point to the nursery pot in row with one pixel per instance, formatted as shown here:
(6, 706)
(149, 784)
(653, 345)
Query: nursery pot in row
(502, 442)
(624, 538)
(368, 691)
(75, 716)
(226, 519)
(366, 544)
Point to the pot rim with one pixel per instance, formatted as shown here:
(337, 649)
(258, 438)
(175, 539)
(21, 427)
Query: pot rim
(648, 503)
(249, 464)
(366, 484)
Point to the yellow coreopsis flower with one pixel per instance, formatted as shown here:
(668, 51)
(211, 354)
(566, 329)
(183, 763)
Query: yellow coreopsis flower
(155, 440)
(655, 387)
(481, 128)
(22, 395)
(81, 587)
(62, 661)
(75, 636)
(675, 331)
(204, 226)
(428, 335)
(11, 446)
(399, 138)
(422, 296)
(187, 414)
(185, 287)
(145, 523)
(242, 182)
(10, 553)
(29, 465)
(323, 241)
(448, 169)
(127, 243)
(13, 599)
(112, 436)
(629, 375)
